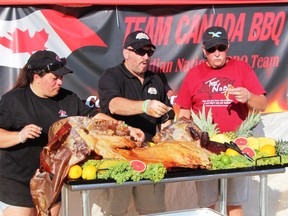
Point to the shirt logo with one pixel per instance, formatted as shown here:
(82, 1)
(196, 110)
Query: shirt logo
(62, 114)
(152, 90)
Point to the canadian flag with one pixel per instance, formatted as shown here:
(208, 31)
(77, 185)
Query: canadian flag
(43, 29)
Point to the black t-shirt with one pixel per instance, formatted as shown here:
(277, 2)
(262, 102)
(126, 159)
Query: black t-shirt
(119, 82)
(18, 164)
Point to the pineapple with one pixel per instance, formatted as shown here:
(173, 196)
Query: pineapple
(231, 135)
(282, 147)
(247, 126)
(205, 123)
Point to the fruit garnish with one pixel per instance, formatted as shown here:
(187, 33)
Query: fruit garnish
(220, 138)
(205, 123)
(225, 159)
(241, 142)
(265, 140)
(282, 147)
(231, 152)
(249, 151)
(138, 166)
(75, 172)
(89, 172)
(253, 143)
(268, 150)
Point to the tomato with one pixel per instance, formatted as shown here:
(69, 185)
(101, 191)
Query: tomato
(225, 159)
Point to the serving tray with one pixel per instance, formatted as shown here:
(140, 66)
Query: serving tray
(177, 172)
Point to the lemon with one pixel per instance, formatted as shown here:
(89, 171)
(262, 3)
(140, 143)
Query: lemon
(75, 172)
(89, 172)
(268, 150)
(231, 152)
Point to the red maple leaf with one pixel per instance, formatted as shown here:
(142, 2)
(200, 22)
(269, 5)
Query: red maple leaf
(22, 42)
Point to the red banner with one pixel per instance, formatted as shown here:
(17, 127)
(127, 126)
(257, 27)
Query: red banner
(91, 38)
(133, 2)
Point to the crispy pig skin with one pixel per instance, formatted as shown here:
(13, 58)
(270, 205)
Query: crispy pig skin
(185, 154)
(74, 139)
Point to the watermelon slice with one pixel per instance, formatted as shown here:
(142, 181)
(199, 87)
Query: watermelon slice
(241, 142)
(138, 166)
(249, 151)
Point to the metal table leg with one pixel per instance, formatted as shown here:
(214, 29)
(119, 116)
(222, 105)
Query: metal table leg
(263, 195)
(85, 203)
(65, 201)
(223, 196)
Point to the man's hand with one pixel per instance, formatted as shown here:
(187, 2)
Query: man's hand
(137, 135)
(241, 94)
(155, 108)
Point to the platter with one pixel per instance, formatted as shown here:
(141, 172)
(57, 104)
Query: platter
(178, 172)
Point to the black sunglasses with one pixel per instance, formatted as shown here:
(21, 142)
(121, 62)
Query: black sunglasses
(220, 48)
(142, 52)
(53, 66)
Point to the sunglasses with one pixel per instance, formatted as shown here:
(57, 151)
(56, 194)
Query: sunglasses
(220, 48)
(142, 52)
(53, 66)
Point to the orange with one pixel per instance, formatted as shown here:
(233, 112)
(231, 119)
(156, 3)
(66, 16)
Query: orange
(268, 150)
(231, 152)
(75, 172)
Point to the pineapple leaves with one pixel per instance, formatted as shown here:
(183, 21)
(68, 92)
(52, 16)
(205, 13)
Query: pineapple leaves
(247, 126)
(205, 123)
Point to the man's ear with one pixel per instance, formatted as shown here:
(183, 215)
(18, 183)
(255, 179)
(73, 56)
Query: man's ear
(125, 53)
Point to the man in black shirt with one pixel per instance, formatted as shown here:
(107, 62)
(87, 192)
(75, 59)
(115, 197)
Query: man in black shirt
(132, 93)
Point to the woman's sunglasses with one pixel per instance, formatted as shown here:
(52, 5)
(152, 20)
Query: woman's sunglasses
(220, 48)
(142, 52)
(56, 65)
(53, 66)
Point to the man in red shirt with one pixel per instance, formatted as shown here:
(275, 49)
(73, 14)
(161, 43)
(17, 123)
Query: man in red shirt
(206, 85)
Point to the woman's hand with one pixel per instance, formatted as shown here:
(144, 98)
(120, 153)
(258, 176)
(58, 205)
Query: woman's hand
(137, 135)
(30, 131)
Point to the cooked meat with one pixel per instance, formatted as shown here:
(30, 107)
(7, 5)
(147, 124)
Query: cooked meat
(172, 154)
(182, 130)
(72, 140)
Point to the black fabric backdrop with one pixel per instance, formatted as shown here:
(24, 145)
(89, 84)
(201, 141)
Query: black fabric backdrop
(91, 38)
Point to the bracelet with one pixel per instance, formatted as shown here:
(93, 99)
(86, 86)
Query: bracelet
(144, 106)
(19, 137)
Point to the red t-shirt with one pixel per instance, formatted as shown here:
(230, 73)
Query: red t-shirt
(204, 85)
